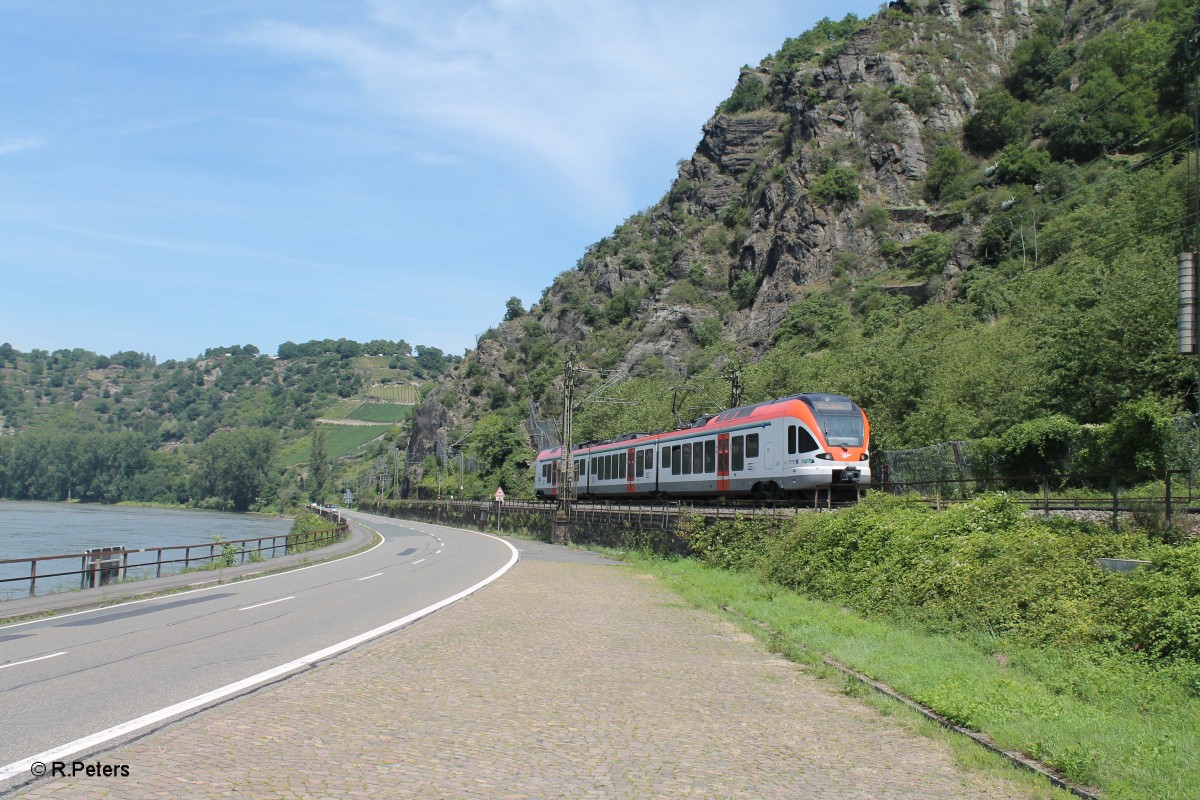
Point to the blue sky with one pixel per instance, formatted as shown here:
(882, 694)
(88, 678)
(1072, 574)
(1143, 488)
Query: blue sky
(177, 175)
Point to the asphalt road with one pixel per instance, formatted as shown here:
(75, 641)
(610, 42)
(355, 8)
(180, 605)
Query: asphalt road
(75, 682)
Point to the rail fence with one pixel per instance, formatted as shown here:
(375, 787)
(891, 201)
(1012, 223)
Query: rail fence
(1161, 500)
(102, 566)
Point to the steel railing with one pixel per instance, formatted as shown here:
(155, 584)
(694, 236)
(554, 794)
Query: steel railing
(102, 566)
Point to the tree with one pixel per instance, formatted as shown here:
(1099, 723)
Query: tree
(513, 309)
(318, 465)
(235, 468)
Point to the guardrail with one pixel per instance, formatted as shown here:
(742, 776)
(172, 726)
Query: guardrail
(106, 565)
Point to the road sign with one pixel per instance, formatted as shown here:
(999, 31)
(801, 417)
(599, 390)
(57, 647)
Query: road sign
(499, 496)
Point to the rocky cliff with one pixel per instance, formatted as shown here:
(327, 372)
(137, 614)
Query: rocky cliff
(813, 179)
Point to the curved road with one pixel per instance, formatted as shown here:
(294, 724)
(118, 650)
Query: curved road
(70, 683)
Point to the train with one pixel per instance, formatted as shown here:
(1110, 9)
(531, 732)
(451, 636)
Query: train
(800, 448)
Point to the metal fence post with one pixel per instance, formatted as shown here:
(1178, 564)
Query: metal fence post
(1168, 498)
(1046, 493)
(1115, 506)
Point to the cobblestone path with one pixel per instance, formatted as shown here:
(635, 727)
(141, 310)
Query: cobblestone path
(562, 680)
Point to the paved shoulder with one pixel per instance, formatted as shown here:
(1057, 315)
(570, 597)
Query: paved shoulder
(561, 680)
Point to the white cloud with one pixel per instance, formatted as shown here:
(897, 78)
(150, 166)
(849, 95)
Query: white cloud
(577, 86)
(19, 144)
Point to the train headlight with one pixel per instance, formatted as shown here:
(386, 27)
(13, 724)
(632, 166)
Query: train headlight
(825, 456)
(864, 457)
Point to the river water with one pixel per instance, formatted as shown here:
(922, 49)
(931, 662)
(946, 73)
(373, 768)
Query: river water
(29, 529)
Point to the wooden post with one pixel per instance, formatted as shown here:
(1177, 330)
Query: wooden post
(32, 575)
(1046, 494)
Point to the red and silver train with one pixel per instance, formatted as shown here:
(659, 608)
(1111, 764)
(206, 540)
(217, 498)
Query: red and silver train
(786, 449)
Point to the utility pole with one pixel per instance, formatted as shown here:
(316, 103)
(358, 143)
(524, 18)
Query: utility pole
(1186, 294)
(566, 464)
(567, 473)
(734, 376)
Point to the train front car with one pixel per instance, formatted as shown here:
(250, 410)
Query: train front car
(826, 446)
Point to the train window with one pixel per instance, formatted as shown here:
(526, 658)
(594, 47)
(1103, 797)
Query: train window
(595, 466)
(622, 461)
(791, 440)
(739, 458)
(649, 460)
(752, 445)
(698, 458)
(578, 469)
(675, 465)
(666, 457)
(639, 463)
(710, 456)
(687, 459)
(805, 443)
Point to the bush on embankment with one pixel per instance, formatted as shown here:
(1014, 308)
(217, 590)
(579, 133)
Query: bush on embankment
(308, 532)
(985, 567)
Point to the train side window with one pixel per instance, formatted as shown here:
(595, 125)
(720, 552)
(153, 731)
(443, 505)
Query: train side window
(675, 465)
(736, 446)
(578, 469)
(698, 458)
(595, 466)
(639, 463)
(710, 456)
(752, 445)
(805, 443)
(687, 459)
(791, 440)
(666, 457)
(622, 462)
(649, 460)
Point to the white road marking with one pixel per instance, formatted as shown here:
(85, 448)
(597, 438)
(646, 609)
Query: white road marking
(418, 561)
(368, 577)
(436, 552)
(93, 740)
(269, 602)
(31, 660)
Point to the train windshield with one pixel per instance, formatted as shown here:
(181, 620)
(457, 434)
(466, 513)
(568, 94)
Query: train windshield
(841, 428)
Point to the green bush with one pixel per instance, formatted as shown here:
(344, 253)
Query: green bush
(1021, 164)
(999, 120)
(948, 177)
(930, 252)
(1039, 446)
(837, 187)
(750, 94)
(987, 567)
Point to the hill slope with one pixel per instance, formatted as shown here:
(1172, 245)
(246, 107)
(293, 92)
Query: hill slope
(964, 215)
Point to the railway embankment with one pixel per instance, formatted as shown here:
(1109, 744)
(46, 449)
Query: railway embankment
(996, 619)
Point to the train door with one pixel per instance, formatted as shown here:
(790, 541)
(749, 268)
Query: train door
(723, 462)
(629, 470)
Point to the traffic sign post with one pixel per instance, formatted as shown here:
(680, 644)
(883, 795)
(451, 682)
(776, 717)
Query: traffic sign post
(499, 498)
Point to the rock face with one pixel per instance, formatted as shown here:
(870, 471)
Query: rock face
(797, 195)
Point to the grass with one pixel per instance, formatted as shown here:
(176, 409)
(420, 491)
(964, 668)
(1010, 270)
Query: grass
(1115, 725)
(404, 393)
(381, 412)
(340, 441)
